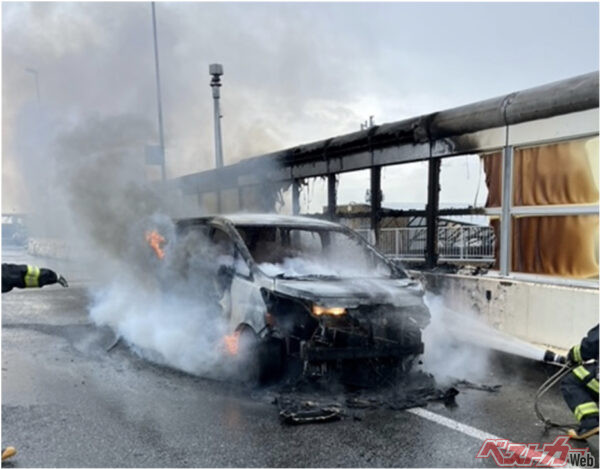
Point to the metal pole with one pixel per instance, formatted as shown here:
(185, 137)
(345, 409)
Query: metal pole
(433, 192)
(331, 196)
(158, 97)
(505, 218)
(295, 197)
(375, 200)
(216, 70)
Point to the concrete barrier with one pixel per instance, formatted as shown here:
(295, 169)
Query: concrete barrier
(543, 314)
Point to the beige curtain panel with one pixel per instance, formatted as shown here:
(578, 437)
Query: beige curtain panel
(559, 174)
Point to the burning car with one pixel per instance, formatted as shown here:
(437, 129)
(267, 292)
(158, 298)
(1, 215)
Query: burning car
(312, 296)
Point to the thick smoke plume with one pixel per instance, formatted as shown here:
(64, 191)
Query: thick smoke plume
(169, 311)
(99, 200)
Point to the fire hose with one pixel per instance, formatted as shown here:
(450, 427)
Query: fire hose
(564, 369)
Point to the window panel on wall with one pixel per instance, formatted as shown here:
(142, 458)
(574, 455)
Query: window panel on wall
(564, 173)
(462, 185)
(404, 186)
(565, 246)
(492, 172)
(353, 187)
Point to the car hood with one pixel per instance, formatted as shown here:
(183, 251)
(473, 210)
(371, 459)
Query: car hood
(354, 292)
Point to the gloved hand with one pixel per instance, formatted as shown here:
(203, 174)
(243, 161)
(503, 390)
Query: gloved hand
(62, 281)
(574, 355)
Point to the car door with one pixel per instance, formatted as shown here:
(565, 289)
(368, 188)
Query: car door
(241, 300)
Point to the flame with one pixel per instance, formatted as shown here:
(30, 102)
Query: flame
(232, 343)
(155, 240)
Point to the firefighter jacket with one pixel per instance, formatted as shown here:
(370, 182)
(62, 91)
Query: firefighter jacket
(587, 349)
(26, 276)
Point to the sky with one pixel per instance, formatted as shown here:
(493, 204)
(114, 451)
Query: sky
(293, 73)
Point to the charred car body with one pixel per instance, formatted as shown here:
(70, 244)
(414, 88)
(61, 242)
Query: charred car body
(313, 296)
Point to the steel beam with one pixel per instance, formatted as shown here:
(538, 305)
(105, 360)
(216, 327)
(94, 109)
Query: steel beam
(388, 212)
(433, 199)
(295, 197)
(554, 210)
(375, 201)
(331, 196)
(473, 128)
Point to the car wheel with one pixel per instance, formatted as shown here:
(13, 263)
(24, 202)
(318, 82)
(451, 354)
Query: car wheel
(248, 356)
(271, 354)
(260, 361)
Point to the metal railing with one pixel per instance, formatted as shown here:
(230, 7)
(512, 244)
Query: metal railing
(463, 243)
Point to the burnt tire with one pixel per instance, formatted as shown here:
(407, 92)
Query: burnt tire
(259, 361)
(271, 354)
(247, 360)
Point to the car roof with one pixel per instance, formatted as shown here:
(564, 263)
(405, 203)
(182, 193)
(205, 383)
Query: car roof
(266, 219)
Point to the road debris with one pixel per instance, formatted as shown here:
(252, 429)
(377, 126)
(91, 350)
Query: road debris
(463, 383)
(304, 402)
(294, 412)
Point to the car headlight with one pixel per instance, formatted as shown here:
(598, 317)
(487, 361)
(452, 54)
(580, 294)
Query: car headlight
(323, 311)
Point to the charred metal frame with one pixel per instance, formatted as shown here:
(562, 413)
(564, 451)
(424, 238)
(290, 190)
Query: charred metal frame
(559, 111)
(331, 196)
(432, 209)
(295, 197)
(375, 200)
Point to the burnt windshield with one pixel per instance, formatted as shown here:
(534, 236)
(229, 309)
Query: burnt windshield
(298, 252)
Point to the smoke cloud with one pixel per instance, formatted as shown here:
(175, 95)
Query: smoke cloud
(171, 313)
(96, 60)
(458, 343)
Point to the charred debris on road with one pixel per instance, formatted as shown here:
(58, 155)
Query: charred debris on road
(305, 401)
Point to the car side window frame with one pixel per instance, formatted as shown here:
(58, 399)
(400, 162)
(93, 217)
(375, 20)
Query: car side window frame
(237, 254)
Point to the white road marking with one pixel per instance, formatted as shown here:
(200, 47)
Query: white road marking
(453, 424)
(475, 432)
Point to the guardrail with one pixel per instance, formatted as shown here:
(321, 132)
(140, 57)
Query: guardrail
(461, 243)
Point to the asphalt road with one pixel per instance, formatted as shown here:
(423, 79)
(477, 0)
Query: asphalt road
(67, 402)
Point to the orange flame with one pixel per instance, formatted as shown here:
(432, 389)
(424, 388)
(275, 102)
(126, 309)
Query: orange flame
(155, 240)
(232, 343)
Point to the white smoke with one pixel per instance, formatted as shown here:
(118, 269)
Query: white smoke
(168, 329)
(90, 185)
(310, 254)
(458, 343)
(168, 309)
(447, 356)
(302, 266)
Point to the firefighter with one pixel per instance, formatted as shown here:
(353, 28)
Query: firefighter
(28, 276)
(580, 387)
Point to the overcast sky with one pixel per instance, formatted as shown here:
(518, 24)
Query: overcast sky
(294, 72)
